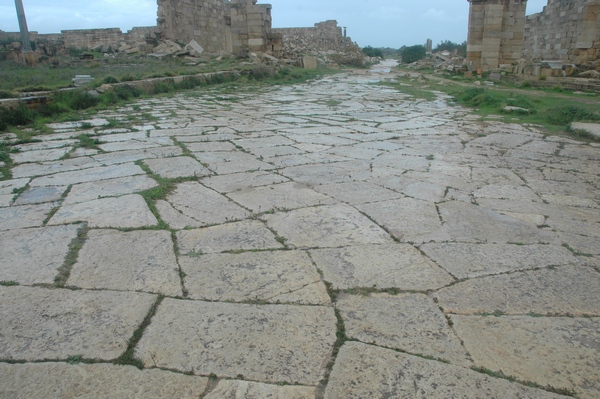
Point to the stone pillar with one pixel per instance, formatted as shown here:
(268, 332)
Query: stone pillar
(496, 31)
(429, 46)
(25, 41)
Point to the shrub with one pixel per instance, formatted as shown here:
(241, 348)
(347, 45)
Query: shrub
(111, 79)
(570, 113)
(261, 72)
(20, 115)
(413, 54)
(373, 52)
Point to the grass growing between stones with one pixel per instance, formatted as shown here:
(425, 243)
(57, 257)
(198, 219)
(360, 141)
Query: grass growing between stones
(128, 358)
(553, 110)
(8, 283)
(64, 272)
(500, 374)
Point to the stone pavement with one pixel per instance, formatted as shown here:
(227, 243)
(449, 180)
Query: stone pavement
(335, 239)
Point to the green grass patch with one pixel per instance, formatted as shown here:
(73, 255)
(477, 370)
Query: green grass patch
(8, 283)
(64, 272)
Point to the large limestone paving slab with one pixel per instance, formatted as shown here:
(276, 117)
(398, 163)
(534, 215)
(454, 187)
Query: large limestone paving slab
(224, 163)
(399, 266)
(266, 343)
(410, 220)
(475, 260)
(39, 323)
(364, 371)
(229, 389)
(568, 290)
(358, 192)
(128, 211)
(409, 322)
(100, 381)
(20, 217)
(121, 157)
(276, 277)
(46, 168)
(326, 226)
(279, 196)
(33, 256)
(470, 223)
(240, 181)
(87, 175)
(51, 154)
(245, 235)
(132, 261)
(108, 188)
(39, 195)
(556, 351)
(171, 168)
(204, 205)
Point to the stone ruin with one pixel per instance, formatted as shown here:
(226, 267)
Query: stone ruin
(194, 27)
(501, 37)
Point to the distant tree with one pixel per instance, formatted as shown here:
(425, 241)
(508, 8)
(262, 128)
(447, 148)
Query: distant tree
(413, 54)
(373, 52)
(461, 49)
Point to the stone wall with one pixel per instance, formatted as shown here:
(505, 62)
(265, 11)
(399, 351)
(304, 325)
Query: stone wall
(566, 30)
(324, 36)
(496, 31)
(236, 26)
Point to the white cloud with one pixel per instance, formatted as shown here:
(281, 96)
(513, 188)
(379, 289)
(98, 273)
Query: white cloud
(435, 14)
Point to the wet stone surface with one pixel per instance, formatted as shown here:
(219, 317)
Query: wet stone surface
(243, 242)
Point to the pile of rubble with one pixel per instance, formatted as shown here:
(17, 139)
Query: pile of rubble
(442, 61)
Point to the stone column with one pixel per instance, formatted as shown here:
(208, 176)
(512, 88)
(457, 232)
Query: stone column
(496, 30)
(23, 27)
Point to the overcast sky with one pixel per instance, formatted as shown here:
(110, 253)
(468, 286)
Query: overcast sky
(380, 23)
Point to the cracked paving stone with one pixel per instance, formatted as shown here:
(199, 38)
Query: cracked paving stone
(38, 195)
(410, 220)
(224, 163)
(279, 196)
(275, 277)
(98, 381)
(470, 223)
(567, 291)
(39, 323)
(172, 168)
(358, 192)
(399, 266)
(108, 188)
(87, 175)
(475, 260)
(365, 371)
(213, 208)
(129, 211)
(245, 235)
(410, 322)
(557, 351)
(33, 256)
(133, 261)
(241, 181)
(269, 343)
(326, 226)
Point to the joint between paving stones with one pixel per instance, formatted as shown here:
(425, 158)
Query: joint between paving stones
(128, 358)
(64, 272)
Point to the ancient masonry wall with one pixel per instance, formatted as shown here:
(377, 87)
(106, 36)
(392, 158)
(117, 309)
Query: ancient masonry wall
(207, 21)
(88, 38)
(323, 36)
(566, 30)
(496, 31)
(219, 25)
